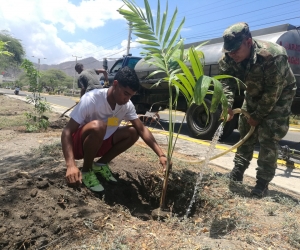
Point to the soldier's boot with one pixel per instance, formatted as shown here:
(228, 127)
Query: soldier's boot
(261, 188)
(237, 173)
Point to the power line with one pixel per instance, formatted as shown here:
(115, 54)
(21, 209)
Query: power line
(218, 34)
(221, 19)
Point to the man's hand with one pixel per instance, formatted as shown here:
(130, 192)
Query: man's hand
(73, 176)
(163, 161)
(252, 122)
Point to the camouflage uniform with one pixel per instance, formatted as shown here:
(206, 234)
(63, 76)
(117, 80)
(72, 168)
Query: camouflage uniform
(270, 88)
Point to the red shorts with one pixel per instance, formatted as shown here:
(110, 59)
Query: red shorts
(77, 145)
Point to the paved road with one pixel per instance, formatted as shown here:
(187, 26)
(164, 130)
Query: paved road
(64, 101)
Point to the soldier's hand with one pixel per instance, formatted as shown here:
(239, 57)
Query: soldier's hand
(252, 122)
(229, 114)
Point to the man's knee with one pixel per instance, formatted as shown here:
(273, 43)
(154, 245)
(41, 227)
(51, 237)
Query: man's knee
(96, 127)
(133, 134)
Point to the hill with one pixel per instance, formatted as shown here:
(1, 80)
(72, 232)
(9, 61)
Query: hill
(68, 67)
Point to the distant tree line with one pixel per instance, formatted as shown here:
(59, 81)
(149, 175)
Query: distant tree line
(52, 81)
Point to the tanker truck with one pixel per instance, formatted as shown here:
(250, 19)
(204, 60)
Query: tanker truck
(200, 124)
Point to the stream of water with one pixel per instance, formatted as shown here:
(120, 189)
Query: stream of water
(203, 166)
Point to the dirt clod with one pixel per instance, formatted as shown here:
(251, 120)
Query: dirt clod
(160, 214)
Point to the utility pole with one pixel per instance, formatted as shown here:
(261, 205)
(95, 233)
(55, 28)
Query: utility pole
(39, 63)
(129, 38)
(75, 73)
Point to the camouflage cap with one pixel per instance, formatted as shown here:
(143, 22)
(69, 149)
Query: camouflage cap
(234, 35)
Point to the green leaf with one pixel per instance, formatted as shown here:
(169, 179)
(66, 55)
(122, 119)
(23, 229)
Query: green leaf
(175, 52)
(187, 72)
(217, 95)
(195, 63)
(182, 89)
(157, 18)
(168, 33)
(135, 9)
(238, 81)
(155, 72)
(185, 83)
(153, 50)
(145, 32)
(201, 89)
(158, 63)
(163, 24)
(149, 14)
(149, 43)
(146, 36)
(172, 41)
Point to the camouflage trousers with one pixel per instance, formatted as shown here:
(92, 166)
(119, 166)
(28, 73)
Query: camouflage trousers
(268, 133)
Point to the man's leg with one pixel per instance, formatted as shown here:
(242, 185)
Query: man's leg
(244, 153)
(92, 138)
(270, 133)
(123, 139)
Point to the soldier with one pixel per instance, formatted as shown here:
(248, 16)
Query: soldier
(88, 79)
(270, 88)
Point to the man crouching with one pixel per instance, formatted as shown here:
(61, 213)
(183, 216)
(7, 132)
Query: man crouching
(94, 131)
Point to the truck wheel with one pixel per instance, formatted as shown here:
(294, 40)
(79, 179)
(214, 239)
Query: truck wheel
(202, 125)
(140, 109)
(229, 127)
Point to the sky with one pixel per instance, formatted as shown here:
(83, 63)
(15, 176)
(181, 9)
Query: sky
(62, 30)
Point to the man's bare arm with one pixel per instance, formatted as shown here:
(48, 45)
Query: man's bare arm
(149, 139)
(104, 72)
(73, 174)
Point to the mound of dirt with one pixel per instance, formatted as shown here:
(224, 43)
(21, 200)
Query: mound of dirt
(60, 123)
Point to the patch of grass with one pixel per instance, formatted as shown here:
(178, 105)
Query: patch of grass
(52, 150)
(12, 121)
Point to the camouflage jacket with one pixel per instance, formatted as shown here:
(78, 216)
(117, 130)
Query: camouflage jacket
(266, 74)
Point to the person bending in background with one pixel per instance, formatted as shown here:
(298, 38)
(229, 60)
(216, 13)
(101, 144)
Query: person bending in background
(88, 78)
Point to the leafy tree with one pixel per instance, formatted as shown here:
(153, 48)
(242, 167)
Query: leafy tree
(54, 79)
(14, 47)
(2, 49)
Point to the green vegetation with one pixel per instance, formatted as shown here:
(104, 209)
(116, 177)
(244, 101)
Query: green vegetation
(13, 46)
(2, 49)
(53, 81)
(36, 120)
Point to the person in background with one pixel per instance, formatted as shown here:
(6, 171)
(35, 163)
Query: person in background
(88, 79)
(270, 88)
(94, 131)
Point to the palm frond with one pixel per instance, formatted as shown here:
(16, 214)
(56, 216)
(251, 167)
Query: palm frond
(157, 18)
